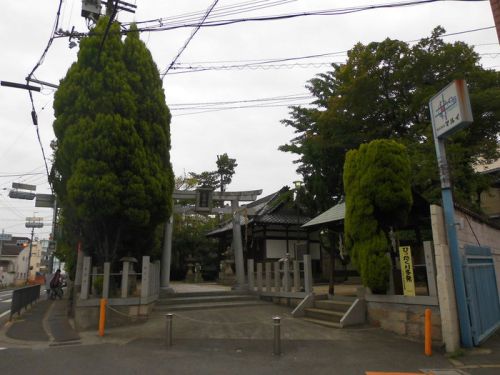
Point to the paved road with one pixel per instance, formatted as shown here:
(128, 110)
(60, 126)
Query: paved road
(5, 300)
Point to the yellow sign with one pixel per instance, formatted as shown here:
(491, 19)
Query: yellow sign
(407, 270)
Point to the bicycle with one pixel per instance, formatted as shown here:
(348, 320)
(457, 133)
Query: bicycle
(56, 292)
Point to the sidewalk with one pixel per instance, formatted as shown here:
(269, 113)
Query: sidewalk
(45, 322)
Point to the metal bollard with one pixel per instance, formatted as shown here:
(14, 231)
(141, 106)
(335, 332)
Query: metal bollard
(168, 338)
(277, 334)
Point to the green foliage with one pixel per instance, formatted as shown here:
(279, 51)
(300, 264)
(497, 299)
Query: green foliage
(98, 284)
(378, 196)
(189, 242)
(382, 91)
(112, 171)
(216, 179)
(225, 169)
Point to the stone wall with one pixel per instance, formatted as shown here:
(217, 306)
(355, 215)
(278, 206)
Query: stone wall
(87, 317)
(405, 320)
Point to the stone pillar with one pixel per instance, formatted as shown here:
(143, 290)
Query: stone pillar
(277, 277)
(286, 275)
(259, 277)
(145, 277)
(268, 276)
(125, 279)
(166, 257)
(308, 279)
(105, 280)
(296, 276)
(85, 277)
(238, 247)
(430, 268)
(250, 268)
(444, 279)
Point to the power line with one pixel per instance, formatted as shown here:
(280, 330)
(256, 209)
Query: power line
(21, 175)
(28, 78)
(327, 12)
(262, 66)
(190, 38)
(238, 8)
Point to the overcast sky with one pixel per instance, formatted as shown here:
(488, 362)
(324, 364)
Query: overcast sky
(251, 135)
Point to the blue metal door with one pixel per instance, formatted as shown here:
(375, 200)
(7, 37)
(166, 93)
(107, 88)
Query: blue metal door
(482, 292)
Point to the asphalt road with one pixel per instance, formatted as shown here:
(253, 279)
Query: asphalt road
(5, 301)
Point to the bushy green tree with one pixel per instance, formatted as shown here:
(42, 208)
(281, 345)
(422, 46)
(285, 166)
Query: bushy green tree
(219, 178)
(378, 197)
(111, 171)
(382, 91)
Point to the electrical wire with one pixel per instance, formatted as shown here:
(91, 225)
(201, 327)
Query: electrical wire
(243, 7)
(190, 38)
(28, 79)
(327, 12)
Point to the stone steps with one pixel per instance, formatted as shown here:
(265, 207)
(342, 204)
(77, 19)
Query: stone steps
(325, 315)
(323, 323)
(200, 299)
(206, 300)
(329, 312)
(333, 305)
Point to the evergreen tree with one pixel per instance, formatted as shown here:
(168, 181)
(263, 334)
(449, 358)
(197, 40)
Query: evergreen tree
(111, 171)
(378, 197)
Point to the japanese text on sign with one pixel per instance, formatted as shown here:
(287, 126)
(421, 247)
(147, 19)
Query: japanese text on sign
(407, 270)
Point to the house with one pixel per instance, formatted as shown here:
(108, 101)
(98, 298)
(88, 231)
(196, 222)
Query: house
(14, 261)
(271, 229)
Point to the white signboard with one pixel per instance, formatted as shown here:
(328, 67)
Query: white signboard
(450, 108)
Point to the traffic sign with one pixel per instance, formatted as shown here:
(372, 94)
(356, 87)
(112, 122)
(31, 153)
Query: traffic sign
(17, 185)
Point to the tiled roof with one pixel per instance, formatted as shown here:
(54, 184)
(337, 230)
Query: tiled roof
(281, 219)
(333, 214)
(11, 250)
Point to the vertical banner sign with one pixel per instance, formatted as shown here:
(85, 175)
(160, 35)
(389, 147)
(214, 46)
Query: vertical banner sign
(407, 270)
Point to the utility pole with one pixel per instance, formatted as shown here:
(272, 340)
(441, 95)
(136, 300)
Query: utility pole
(32, 222)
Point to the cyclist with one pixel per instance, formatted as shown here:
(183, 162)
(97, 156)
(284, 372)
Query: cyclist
(55, 284)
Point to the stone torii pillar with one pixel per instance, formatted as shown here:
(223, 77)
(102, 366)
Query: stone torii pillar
(238, 247)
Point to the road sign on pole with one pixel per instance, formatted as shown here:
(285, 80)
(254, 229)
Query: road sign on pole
(34, 222)
(450, 108)
(452, 103)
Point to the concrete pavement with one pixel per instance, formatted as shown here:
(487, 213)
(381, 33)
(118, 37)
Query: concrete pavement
(224, 341)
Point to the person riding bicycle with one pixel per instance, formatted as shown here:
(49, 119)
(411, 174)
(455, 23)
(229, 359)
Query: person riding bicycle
(56, 282)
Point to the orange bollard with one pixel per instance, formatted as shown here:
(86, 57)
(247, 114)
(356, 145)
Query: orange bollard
(428, 332)
(102, 316)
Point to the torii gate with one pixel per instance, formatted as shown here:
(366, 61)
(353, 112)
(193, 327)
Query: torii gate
(204, 198)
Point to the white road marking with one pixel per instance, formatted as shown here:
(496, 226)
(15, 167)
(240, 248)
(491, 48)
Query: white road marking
(4, 313)
(7, 300)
